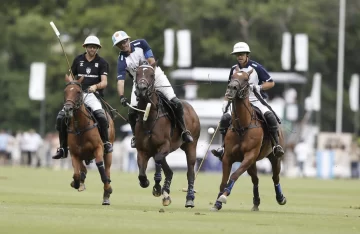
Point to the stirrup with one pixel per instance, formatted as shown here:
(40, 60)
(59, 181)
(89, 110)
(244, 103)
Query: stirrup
(186, 136)
(278, 151)
(133, 142)
(60, 153)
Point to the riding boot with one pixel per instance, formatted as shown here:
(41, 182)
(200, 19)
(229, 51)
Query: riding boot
(103, 129)
(132, 115)
(179, 112)
(224, 125)
(61, 127)
(273, 129)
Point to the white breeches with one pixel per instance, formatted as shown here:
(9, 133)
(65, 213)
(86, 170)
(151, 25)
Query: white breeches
(160, 81)
(91, 101)
(259, 105)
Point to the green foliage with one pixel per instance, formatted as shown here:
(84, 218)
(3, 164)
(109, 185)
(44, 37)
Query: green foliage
(215, 25)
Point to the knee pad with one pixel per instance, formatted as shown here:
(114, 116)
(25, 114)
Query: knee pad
(100, 115)
(59, 119)
(177, 103)
(271, 120)
(225, 122)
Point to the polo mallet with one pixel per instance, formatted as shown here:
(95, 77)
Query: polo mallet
(146, 111)
(62, 47)
(206, 154)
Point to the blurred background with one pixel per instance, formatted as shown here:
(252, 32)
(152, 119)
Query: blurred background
(309, 47)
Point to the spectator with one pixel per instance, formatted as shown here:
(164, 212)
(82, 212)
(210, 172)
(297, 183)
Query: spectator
(4, 141)
(30, 144)
(301, 151)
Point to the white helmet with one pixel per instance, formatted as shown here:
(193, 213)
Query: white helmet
(241, 47)
(119, 36)
(92, 40)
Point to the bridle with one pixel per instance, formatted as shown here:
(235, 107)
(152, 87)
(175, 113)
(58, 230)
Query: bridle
(150, 86)
(79, 101)
(243, 93)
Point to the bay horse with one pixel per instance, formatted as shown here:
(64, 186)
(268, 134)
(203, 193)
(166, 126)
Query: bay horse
(246, 141)
(158, 136)
(84, 140)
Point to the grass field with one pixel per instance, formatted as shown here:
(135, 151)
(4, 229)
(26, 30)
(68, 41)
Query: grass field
(41, 201)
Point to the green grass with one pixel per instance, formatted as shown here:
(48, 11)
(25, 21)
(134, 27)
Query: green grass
(42, 201)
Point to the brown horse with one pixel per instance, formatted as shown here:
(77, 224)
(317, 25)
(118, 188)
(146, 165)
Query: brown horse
(84, 140)
(158, 136)
(247, 141)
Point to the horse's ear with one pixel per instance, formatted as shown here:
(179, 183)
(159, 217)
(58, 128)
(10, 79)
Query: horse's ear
(250, 71)
(68, 78)
(154, 65)
(80, 79)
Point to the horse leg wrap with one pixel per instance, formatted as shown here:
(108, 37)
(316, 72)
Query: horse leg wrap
(191, 194)
(104, 178)
(229, 186)
(82, 176)
(218, 204)
(144, 182)
(157, 175)
(278, 191)
(256, 198)
(167, 184)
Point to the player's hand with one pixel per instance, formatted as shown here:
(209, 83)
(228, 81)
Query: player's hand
(124, 101)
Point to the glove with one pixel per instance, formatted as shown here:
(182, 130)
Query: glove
(258, 88)
(225, 106)
(123, 100)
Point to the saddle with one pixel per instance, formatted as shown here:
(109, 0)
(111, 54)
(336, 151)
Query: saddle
(106, 106)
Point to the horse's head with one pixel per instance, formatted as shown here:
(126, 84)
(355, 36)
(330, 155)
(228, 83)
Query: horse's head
(145, 80)
(239, 85)
(72, 95)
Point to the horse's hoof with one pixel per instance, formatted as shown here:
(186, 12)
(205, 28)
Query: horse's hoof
(190, 204)
(214, 209)
(82, 187)
(166, 201)
(255, 208)
(156, 190)
(145, 184)
(282, 201)
(106, 202)
(222, 199)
